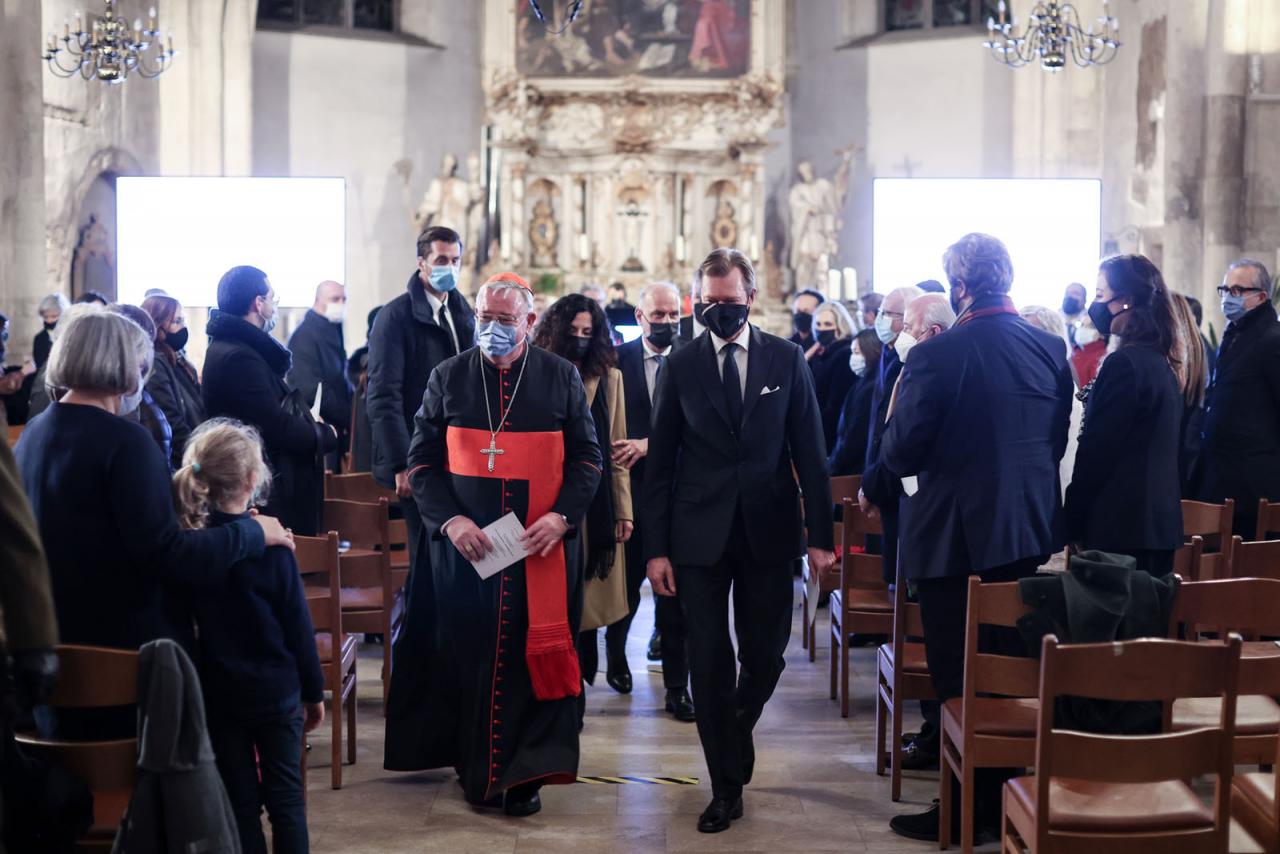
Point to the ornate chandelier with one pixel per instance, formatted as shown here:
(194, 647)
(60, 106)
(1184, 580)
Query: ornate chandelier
(111, 50)
(1053, 34)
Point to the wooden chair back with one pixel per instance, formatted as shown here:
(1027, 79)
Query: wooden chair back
(318, 564)
(1139, 670)
(1250, 607)
(856, 526)
(1186, 560)
(1253, 559)
(1211, 521)
(845, 486)
(990, 672)
(367, 526)
(1268, 519)
(359, 486)
(89, 678)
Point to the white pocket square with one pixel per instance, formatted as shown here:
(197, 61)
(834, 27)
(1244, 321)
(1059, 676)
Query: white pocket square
(765, 391)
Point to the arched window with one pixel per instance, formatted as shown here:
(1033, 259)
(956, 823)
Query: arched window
(378, 15)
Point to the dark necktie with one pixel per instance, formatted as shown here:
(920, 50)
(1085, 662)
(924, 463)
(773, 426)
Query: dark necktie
(660, 362)
(443, 319)
(732, 386)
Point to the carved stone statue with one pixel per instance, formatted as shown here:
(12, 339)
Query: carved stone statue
(816, 208)
(446, 200)
(477, 205)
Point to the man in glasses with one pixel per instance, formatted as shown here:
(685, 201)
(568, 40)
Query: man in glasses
(1240, 457)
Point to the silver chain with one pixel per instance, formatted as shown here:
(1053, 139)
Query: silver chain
(488, 413)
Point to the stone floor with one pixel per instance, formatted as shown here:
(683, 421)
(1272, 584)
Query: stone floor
(814, 787)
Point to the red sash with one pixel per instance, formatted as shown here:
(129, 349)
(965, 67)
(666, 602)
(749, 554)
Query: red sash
(538, 459)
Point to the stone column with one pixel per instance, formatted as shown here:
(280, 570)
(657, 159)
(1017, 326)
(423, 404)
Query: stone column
(1226, 73)
(1184, 151)
(22, 200)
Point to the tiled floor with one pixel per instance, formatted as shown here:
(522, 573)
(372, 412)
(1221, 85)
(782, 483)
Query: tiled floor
(814, 788)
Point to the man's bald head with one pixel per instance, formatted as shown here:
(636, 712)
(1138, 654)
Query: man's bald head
(929, 315)
(328, 294)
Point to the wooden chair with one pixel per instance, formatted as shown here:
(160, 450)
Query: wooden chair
(90, 678)
(1186, 560)
(812, 587)
(1249, 607)
(361, 486)
(1105, 793)
(980, 730)
(1253, 560)
(1212, 522)
(1268, 519)
(861, 604)
(318, 564)
(1254, 804)
(903, 676)
(368, 603)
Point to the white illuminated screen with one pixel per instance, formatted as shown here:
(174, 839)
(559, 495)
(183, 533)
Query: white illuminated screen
(1052, 228)
(182, 234)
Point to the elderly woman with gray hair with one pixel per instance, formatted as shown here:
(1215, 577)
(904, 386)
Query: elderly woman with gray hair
(122, 568)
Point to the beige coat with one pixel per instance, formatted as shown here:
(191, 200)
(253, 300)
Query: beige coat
(605, 602)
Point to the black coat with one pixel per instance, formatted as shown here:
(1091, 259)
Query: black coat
(981, 421)
(404, 348)
(1240, 452)
(850, 453)
(244, 372)
(832, 379)
(122, 569)
(1125, 494)
(320, 359)
(881, 393)
(40, 347)
(700, 473)
(636, 391)
(179, 397)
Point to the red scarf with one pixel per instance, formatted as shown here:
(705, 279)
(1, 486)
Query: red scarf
(1005, 306)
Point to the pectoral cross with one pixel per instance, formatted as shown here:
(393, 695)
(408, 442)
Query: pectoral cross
(492, 450)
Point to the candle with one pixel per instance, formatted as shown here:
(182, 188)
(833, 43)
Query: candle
(680, 248)
(584, 248)
(833, 284)
(850, 282)
(754, 247)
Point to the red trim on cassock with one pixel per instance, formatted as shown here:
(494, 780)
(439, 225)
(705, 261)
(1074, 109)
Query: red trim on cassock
(538, 458)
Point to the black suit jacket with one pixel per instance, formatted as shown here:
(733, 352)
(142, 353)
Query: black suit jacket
(1125, 494)
(686, 328)
(981, 420)
(701, 472)
(636, 392)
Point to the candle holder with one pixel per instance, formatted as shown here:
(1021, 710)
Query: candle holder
(110, 50)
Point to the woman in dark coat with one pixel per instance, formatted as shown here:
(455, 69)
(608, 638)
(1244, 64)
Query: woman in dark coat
(850, 453)
(122, 569)
(1125, 495)
(244, 372)
(174, 383)
(829, 363)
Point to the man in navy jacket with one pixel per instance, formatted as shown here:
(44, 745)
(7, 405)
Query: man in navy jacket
(980, 424)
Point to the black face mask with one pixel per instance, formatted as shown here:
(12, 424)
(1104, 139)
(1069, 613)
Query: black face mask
(1100, 314)
(662, 334)
(177, 340)
(1071, 306)
(725, 319)
(698, 309)
(579, 347)
(48, 327)
(802, 321)
(826, 337)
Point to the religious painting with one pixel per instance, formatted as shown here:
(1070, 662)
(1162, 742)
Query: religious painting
(618, 38)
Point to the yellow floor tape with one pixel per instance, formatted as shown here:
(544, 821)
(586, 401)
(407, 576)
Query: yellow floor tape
(651, 781)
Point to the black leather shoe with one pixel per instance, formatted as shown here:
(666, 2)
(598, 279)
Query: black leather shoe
(718, 814)
(920, 756)
(619, 676)
(655, 646)
(522, 801)
(924, 825)
(680, 706)
(858, 640)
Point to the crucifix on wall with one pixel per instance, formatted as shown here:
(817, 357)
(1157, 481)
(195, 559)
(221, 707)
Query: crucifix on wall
(908, 166)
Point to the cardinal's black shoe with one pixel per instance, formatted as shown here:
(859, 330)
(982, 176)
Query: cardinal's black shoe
(522, 801)
(718, 814)
(680, 706)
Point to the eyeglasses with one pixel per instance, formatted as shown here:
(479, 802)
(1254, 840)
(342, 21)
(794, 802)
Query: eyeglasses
(889, 313)
(1235, 290)
(504, 319)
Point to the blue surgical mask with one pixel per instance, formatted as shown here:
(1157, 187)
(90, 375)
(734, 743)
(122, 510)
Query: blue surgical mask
(496, 339)
(444, 279)
(884, 328)
(1233, 307)
(857, 363)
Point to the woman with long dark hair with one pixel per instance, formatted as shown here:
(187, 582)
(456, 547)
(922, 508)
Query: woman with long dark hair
(849, 455)
(1124, 495)
(574, 328)
(174, 383)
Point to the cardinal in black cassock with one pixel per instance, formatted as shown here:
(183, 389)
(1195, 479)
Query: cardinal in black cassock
(485, 675)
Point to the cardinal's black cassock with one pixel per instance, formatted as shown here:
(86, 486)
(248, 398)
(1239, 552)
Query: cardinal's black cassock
(485, 674)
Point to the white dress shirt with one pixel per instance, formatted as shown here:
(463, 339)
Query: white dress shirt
(651, 356)
(740, 355)
(435, 303)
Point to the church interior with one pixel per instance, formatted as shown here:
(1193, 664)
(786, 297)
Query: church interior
(839, 147)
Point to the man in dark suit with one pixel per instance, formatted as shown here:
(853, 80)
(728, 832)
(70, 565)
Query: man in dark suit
(641, 362)
(691, 325)
(1240, 450)
(427, 324)
(978, 430)
(735, 420)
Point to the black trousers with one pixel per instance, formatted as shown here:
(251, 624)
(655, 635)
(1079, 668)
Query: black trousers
(731, 699)
(260, 764)
(413, 527)
(667, 617)
(944, 605)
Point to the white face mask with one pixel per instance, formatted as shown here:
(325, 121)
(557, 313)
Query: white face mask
(335, 312)
(904, 344)
(857, 363)
(129, 403)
